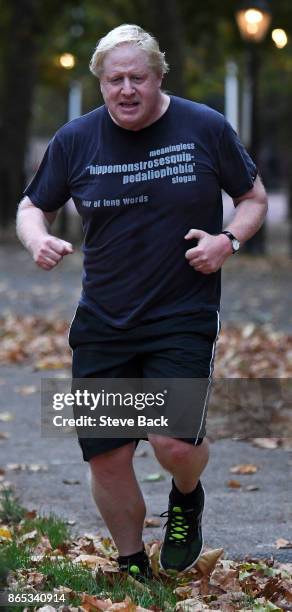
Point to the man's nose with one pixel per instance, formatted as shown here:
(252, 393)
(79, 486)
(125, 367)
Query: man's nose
(127, 87)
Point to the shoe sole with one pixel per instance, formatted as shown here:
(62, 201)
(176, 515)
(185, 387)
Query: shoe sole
(193, 562)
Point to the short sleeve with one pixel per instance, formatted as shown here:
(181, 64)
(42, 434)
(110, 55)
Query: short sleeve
(49, 189)
(237, 171)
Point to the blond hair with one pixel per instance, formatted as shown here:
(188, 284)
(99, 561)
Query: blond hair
(131, 34)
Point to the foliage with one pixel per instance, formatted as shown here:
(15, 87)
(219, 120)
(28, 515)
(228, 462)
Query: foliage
(247, 351)
(198, 40)
(10, 510)
(85, 574)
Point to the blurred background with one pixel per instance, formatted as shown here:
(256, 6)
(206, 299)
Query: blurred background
(235, 57)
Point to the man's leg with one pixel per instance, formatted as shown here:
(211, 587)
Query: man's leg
(119, 498)
(183, 460)
(183, 540)
(100, 351)
(184, 355)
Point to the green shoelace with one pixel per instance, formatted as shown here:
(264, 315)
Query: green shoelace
(178, 526)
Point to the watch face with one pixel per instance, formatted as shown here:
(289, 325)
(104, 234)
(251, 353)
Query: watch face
(235, 244)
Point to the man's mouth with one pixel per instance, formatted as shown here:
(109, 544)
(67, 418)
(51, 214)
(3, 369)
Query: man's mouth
(129, 104)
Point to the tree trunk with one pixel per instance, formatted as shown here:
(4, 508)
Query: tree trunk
(19, 76)
(257, 244)
(164, 20)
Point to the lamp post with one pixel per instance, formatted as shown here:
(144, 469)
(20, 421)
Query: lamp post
(74, 105)
(253, 19)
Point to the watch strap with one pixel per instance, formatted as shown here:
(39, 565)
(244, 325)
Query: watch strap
(231, 238)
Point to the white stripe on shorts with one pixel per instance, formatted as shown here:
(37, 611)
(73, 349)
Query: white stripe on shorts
(210, 376)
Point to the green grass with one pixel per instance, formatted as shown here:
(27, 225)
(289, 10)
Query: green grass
(14, 556)
(80, 579)
(51, 526)
(17, 556)
(10, 510)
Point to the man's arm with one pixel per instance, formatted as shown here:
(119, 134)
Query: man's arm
(32, 227)
(211, 251)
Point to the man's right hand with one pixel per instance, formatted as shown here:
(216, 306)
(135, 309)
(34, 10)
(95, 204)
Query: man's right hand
(48, 251)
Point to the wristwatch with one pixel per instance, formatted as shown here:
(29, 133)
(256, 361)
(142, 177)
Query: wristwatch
(234, 242)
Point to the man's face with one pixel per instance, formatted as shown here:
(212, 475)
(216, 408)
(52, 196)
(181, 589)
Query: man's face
(130, 88)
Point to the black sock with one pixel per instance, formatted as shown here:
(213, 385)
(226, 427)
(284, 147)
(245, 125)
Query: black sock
(139, 558)
(193, 499)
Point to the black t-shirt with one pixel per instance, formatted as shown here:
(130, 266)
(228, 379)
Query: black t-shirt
(138, 193)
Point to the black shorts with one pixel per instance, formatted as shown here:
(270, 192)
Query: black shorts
(182, 346)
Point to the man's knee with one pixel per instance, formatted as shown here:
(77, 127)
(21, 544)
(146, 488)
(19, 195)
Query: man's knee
(176, 451)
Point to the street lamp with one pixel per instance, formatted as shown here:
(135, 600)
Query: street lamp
(74, 109)
(280, 38)
(67, 61)
(253, 19)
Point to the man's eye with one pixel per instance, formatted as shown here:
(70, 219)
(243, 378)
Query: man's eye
(137, 79)
(116, 80)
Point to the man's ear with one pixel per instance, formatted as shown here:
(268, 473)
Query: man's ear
(160, 78)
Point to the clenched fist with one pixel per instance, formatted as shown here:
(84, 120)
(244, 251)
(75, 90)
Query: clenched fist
(210, 253)
(48, 250)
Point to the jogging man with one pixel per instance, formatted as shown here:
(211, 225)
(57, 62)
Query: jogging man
(145, 171)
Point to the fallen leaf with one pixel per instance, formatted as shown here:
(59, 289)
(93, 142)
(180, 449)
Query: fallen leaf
(154, 477)
(91, 603)
(69, 481)
(248, 330)
(153, 552)
(89, 560)
(244, 468)
(226, 578)
(36, 579)
(282, 543)
(35, 467)
(184, 592)
(44, 546)
(269, 443)
(251, 488)
(208, 560)
(151, 522)
(234, 484)
(26, 390)
(28, 536)
(5, 533)
(6, 416)
(4, 435)
(191, 605)
(127, 606)
(37, 558)
(15, 467)
(31, 514)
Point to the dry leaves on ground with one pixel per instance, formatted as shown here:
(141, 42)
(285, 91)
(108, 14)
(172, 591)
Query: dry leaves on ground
(253, 352)
(242, 351)
(40, 340)
(244, 468)
(213, 584)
